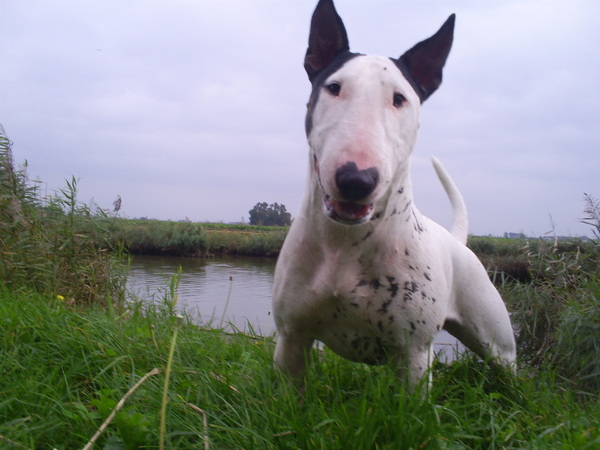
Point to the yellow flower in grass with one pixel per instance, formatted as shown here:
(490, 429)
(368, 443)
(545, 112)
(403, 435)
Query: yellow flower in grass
(60, 297)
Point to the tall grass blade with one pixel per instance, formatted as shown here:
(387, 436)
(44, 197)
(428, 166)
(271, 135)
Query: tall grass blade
(226, 303)
(165, 395)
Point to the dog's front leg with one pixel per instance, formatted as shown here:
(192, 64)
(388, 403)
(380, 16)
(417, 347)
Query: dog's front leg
(292, 355)
(413, 368)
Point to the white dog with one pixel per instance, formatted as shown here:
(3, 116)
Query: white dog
(361, 270)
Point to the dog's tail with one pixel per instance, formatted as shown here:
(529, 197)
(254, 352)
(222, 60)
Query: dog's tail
(460, 225)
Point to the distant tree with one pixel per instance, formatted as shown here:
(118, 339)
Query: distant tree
(269, 215)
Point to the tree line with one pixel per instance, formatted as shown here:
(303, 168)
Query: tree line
(270, 215)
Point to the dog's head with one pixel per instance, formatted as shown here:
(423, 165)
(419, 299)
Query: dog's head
(363, 113)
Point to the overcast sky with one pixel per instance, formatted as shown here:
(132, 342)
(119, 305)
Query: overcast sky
(195, 109)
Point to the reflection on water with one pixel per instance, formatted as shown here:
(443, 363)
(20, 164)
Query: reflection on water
(207, 283)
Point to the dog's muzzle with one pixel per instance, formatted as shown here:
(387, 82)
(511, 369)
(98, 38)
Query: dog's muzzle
(354, 186)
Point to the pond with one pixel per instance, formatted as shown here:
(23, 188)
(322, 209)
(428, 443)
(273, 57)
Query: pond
(230, 293)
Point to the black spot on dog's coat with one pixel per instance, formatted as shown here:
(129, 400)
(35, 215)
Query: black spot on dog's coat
(384, 306)
(410, 288)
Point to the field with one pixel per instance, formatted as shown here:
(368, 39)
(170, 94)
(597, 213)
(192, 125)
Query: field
(82, 364)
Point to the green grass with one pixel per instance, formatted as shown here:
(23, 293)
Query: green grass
(64, 370)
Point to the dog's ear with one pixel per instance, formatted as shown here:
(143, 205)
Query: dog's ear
(327, 38)
(424, 62)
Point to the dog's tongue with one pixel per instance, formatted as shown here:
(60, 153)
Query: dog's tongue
(350, 210)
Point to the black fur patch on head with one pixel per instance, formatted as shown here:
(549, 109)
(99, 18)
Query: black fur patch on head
(318, 83)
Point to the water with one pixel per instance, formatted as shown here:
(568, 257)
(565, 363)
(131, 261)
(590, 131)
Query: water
(206, 285)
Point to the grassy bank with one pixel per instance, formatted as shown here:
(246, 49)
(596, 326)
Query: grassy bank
(151, 237)
(527, 259)
(64, 370)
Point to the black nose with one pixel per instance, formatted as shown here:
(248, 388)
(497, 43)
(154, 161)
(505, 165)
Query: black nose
(354, 184)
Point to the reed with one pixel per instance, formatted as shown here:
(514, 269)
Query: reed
(557, 313)
(56, 245)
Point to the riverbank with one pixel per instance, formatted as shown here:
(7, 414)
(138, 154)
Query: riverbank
(65, 369)
(517, 259)
(153, 237)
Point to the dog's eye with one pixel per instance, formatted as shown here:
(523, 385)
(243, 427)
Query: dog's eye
(399, 100)
(334, 88)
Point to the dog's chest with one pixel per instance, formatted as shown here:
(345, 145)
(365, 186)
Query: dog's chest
(370, 312)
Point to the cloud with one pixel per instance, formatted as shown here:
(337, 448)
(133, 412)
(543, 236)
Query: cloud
(196, 109)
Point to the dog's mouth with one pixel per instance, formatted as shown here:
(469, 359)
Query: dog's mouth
(349, 213)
